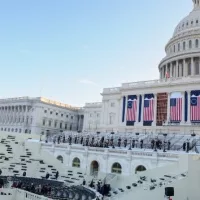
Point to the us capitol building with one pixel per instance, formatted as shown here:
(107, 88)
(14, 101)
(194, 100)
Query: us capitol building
(170, 103)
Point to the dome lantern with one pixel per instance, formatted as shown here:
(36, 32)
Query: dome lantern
(196, 4)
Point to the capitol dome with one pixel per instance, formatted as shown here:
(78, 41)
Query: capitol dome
(183, 49)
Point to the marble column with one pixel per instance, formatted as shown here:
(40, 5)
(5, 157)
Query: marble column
(183, 108)
(142, 109)
(188, 114)
(192, 66)
(163, 71)
(125, 110)
(177, 70)
(171, 68)
(155, 110)
(120, 110)
(185, 73)
(168, 107)
(138, 104)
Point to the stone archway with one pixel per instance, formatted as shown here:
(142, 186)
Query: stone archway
(116, 168)
(140, 168)
(94, 168)
(76, 162)
(60, 158)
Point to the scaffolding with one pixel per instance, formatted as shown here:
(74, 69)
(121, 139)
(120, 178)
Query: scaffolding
(161, 108)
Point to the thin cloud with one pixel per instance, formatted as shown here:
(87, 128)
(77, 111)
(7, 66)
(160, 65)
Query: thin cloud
(88, 82)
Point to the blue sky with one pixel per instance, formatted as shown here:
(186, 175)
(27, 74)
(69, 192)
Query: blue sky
(69, 50)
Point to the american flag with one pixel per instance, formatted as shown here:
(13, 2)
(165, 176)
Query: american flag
(148, 114)
(176, 109)
(195, 108)
(131, 115)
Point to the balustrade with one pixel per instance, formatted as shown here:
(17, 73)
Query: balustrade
(113, 151)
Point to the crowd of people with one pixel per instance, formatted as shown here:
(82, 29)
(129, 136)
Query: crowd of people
(109, 141)
(37, 189)
(101, 187)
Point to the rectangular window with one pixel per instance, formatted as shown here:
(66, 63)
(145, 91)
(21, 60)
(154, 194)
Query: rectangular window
(55, 124)
(49, 122)
(71, 117)
(60, 124)
(43, 123)
(56, 113)
(45, 111)
(51, 112)
(65, 126)
(61, 115)
(67, 116)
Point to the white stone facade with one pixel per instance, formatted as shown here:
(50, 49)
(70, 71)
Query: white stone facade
(106, 158)
(38, 115)
(92, 116)
(179, 72)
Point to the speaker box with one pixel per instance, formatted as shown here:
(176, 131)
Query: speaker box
(169, 191)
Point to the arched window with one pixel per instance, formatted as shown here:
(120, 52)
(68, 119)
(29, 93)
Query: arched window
(190, 44)
(76, 162)
(116, 168)
(196, 43)
(183, 45)
(174, 48)
(26, 131)
(140, 168)
(60, 158)
(178, 46)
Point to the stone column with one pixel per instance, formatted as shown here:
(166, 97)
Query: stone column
(171, 70)
(120, 110)
(155, 110)
(183, 108)
(192, 66)
(177, 66)
(138, 104)
(125, 110)
(180, 69)
(188, 114)
(168, 107)
(185, 73)
(142, 109)
(163, 71)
